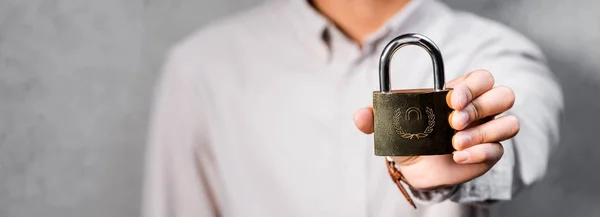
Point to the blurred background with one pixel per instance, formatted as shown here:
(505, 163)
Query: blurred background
(76, 80)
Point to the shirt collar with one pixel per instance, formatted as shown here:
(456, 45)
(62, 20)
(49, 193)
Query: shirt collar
(308, 19)
(312, 22)
(409, 19)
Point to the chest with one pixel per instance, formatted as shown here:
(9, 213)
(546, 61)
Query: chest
(276, 110)
(283, 131)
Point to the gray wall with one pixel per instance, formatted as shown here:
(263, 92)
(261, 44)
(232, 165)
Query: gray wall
(76, 78)
(72, 107)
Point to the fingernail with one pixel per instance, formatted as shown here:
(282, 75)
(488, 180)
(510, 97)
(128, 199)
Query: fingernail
(461, 156)
(450, 118)
(449, 98)
(460, 140)
(459, 119)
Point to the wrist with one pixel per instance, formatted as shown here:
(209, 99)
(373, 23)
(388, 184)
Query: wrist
(423, 180)
(423, 195)
(428, 173)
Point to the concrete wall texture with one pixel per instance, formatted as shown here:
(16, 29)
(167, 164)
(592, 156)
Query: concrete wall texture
(76, 78)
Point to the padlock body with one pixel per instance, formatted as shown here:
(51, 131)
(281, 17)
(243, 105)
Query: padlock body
(412, 123)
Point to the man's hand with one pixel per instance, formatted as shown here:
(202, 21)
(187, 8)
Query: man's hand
(476, 102)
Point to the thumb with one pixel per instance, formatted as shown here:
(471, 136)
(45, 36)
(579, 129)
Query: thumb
(363, 119)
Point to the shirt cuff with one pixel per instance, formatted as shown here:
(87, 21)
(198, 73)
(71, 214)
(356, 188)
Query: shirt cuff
(495, 185)
(433, 196)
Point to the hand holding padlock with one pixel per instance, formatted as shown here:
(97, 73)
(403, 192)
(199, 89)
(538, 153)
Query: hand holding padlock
(474, 102)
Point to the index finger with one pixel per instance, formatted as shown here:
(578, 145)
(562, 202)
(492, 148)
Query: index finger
(469, 87)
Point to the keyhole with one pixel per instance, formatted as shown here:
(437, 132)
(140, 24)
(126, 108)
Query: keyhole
(412, 110)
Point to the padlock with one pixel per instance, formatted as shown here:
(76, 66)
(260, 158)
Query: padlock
(412, 122)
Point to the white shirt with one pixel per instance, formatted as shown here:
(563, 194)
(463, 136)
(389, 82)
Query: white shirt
(253, 115)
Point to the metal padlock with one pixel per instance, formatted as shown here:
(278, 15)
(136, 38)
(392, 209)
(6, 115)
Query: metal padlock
(412, 122)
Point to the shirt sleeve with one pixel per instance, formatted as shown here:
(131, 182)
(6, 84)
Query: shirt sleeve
(177, 171)
(517, 63)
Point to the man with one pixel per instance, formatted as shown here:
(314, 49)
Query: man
(253, 114)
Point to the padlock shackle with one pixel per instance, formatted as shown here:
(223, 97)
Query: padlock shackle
(411, 39)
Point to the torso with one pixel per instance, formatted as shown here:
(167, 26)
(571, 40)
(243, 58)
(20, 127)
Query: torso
(281, 111)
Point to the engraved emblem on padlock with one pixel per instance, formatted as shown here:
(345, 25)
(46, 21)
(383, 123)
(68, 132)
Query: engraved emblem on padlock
(415, 121)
